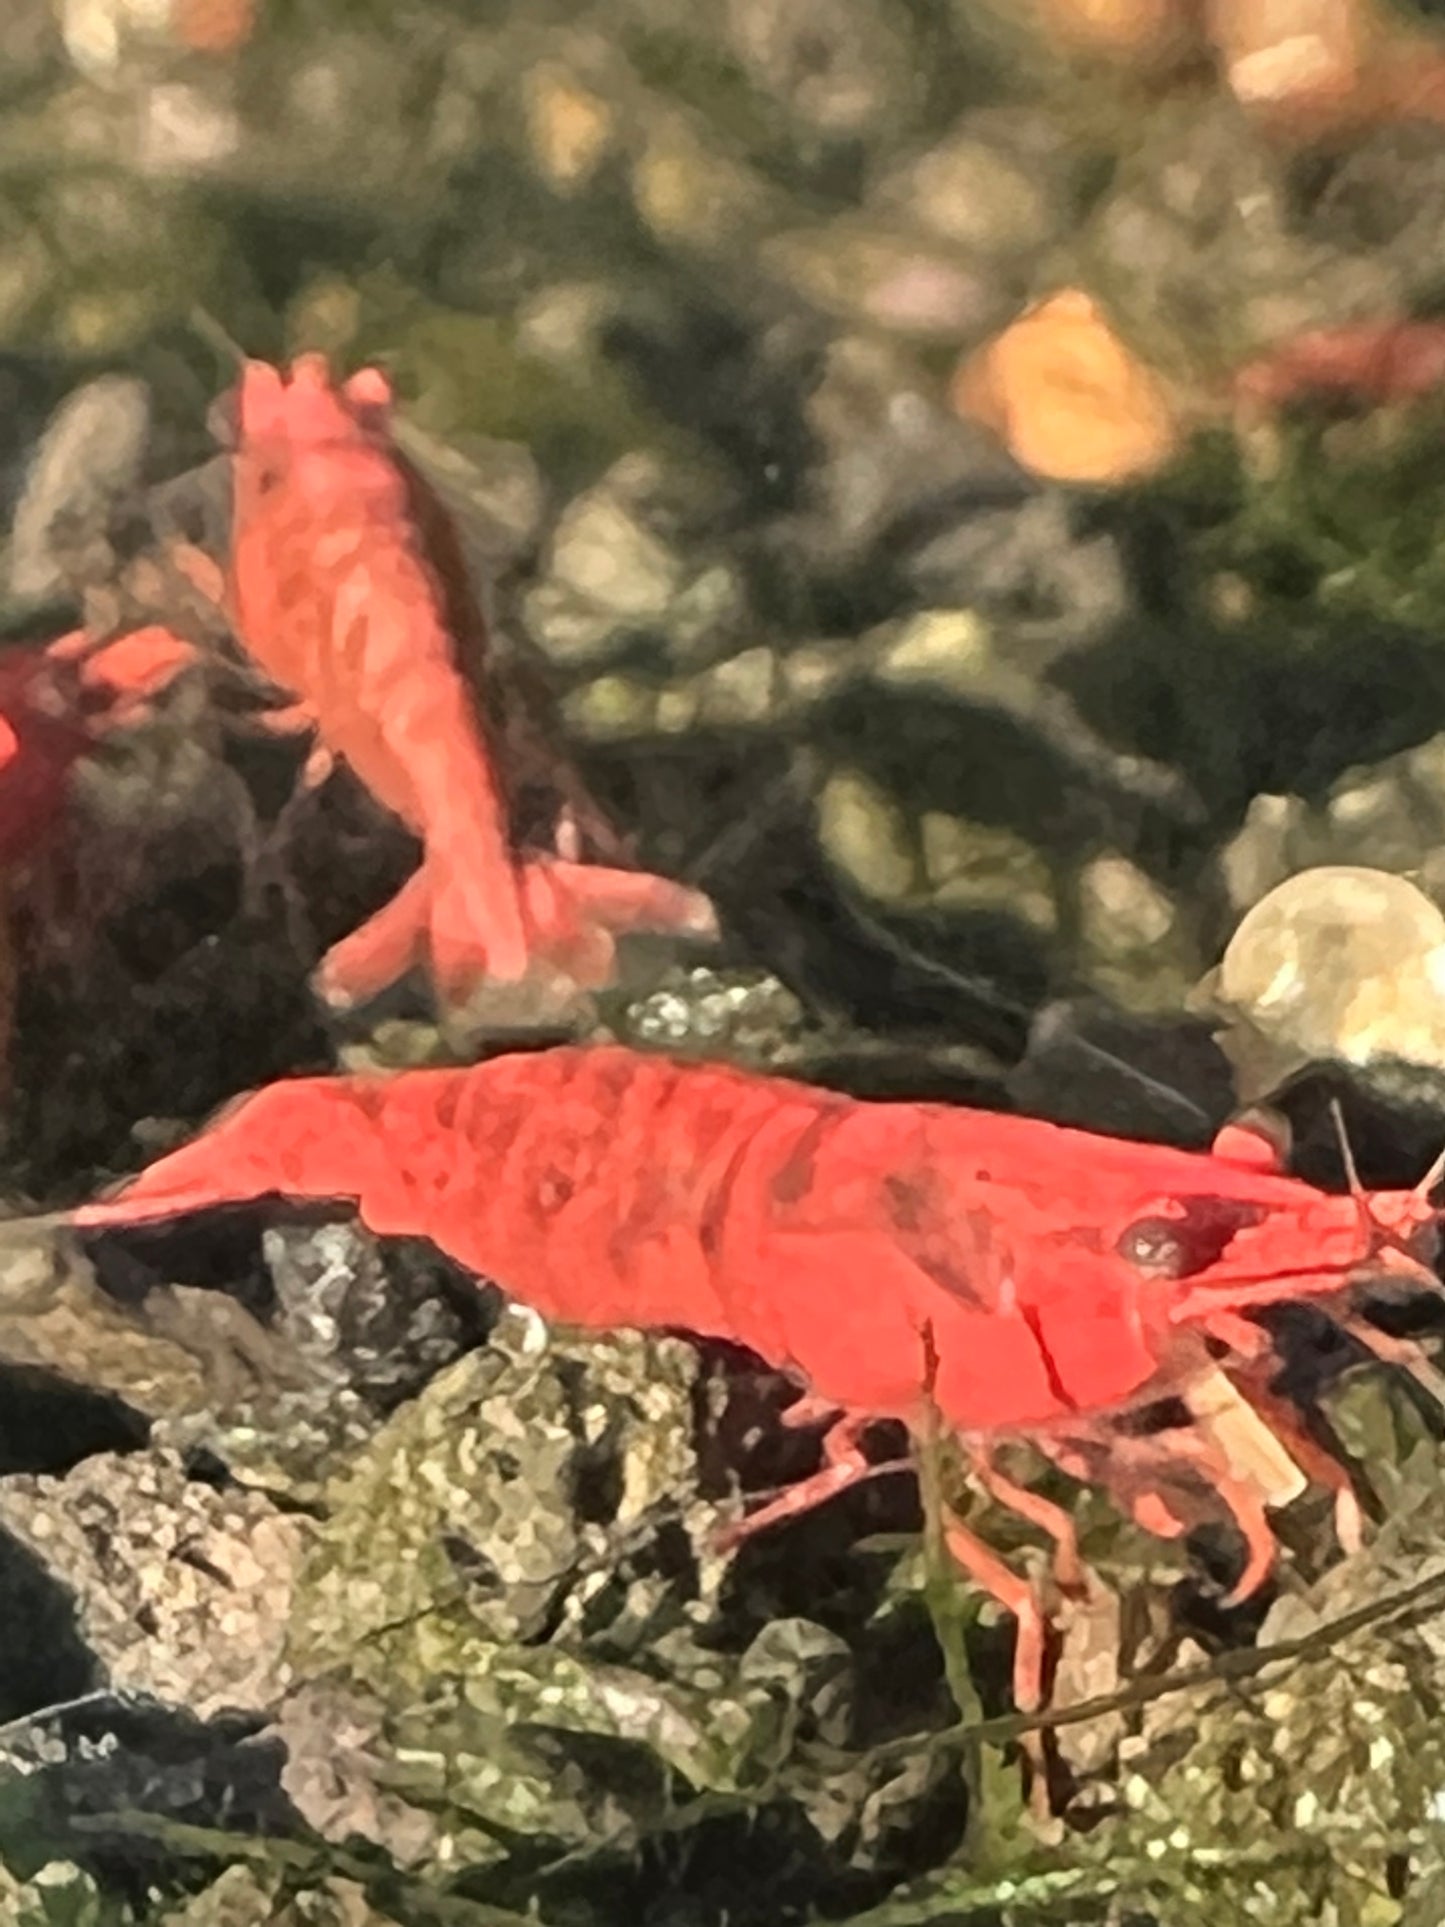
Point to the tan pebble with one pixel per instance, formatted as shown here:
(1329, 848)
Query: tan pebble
(1120, 907)
(864, 831)
(1278, 53)
(571, 129)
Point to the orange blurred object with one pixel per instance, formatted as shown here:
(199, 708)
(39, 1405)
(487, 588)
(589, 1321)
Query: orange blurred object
(56, 699)
(1308, 69)
(1139, 32)
(40, 739)
(43, 737)
(214, 26)
(127, 673)
(1067, 397)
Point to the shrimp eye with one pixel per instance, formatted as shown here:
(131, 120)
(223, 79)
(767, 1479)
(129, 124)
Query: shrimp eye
(1195, 1238)
(1154, 1245)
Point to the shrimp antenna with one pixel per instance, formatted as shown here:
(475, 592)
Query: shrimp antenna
(25, 1224)
(1347, 1156)
(1431, 1178)
(215, 336)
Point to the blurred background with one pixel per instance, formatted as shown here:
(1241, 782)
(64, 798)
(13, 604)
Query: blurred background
(963, 481)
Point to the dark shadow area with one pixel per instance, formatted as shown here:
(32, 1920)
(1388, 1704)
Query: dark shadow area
(44, 1659)
(110, 1756)
(48, 1425)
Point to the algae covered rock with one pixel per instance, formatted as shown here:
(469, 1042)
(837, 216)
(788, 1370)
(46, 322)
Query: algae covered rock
(180, 1591)
(244, 1898)
(460, 1522)
(59, 1895)
(1316, 1792)
(752, 1017)
(510, 1619)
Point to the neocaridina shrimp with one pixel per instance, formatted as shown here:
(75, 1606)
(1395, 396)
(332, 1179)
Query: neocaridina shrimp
(1000, 1276)
(56, 701)
(336, 597)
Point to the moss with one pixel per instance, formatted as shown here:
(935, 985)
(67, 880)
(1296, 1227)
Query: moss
(1344, 521)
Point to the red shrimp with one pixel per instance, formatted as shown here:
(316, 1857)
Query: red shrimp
(56, 700)
(40, 738)
(1016, 1278)
(336, 597)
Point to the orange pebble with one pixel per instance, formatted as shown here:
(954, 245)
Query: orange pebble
(1066, 396)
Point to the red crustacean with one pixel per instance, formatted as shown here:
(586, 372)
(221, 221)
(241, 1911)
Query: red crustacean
(1366, 361)
(56, 701)
(336, 597)
(1016, 1278)
(40, 738)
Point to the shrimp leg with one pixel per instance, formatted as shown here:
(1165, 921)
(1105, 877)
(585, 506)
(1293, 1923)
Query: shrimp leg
(844, 1466)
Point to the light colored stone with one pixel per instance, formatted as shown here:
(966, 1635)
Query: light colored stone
(843, 69)
(811, 674)
(1120, 908)
(183, 1591)
(612, 706)
(689, 192)
(616, 569)
(710, 607)
(742, 690)
(571, 129)
(91, 454)
(980, 866)
(967, 192)
(865, 832)
(910, 287)
(1340, 963)
(564, 323)
(1257, 856)
(947, 647)
(677, 710)
(605, 554)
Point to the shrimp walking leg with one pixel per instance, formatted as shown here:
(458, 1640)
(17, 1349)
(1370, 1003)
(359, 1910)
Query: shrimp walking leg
(1308, 1454)
(382, 949)
(1195, 1450)
(844, 1466)
(1017, 1596)
(1043, 1513)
